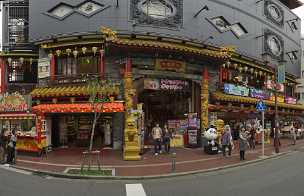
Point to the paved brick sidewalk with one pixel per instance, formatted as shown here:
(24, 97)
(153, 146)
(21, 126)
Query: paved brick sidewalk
(186, 160)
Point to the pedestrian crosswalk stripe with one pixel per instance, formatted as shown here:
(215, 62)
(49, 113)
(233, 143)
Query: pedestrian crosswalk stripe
(135, 190)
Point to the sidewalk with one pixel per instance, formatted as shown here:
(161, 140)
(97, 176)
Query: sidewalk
(186, 160)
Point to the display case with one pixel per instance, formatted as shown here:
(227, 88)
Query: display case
(28, 138)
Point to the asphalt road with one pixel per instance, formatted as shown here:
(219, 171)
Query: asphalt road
(275, 177)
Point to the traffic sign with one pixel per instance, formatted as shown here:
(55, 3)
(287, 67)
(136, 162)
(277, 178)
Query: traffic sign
(260, 106)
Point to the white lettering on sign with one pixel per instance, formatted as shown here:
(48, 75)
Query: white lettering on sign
(166, 84)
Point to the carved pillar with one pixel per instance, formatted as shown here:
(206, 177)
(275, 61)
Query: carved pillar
(204, 100)
(101, 64)
(131, 143)
(2, 76)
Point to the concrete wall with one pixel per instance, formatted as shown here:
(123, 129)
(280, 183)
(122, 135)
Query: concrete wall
(249, 13)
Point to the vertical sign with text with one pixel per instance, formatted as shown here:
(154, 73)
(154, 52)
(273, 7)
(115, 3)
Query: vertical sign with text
(281, 74)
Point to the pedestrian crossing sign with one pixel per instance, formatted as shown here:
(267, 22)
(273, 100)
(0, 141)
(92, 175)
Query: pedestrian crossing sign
(261, 106)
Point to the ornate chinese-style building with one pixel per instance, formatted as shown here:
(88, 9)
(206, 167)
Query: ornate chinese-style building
(168, 62)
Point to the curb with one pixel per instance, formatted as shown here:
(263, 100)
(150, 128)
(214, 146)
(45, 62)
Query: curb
(168, 175)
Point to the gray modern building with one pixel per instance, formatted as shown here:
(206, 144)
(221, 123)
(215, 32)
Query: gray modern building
(300, 87)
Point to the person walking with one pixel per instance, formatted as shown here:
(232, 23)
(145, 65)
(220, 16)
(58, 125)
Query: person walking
(157, 136)
(227, 140)
(11, 148)
(243, 143)
(293, 133)
(167, 136)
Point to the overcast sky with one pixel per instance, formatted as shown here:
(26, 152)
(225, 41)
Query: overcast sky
(300, 12)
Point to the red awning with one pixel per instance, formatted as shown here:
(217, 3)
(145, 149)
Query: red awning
(79, 108)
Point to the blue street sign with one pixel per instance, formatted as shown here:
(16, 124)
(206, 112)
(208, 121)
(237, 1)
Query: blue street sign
(281, 74)
(260, 106)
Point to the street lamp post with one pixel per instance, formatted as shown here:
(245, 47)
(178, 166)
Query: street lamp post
(276, 132)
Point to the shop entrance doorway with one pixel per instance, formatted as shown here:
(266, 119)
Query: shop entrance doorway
(161, 106)
(74, 130)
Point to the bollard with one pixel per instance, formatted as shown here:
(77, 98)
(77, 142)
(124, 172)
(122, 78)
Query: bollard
(173, 162)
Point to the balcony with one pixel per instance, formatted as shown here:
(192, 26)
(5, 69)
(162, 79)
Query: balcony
(80, 79)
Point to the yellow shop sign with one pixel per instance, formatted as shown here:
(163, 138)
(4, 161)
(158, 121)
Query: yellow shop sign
(170, 65)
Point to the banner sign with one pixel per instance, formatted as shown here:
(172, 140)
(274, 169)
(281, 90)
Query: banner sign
(281, 74)
(290, 100)
(259, 94)
(170, 65)
(151, 84)
(236, 90)
(166, 84)
(13, 103)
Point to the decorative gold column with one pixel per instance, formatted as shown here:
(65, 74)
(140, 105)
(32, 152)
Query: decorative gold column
(204, 100)
(131, 142)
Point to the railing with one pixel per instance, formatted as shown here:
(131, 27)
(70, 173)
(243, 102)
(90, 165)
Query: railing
(58, 80)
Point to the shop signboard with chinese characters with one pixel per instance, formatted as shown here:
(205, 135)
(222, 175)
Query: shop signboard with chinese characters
(280, 98)
(151, 84)
(43, 68)
(236, 90)
(290, 100)
(166, 84)
(170, 65)
(259, 94)
(13, 103)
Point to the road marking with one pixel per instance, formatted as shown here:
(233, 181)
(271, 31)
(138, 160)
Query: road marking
(135, 190)
(16, 170)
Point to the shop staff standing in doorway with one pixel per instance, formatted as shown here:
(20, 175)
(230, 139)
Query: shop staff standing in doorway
(157, 135)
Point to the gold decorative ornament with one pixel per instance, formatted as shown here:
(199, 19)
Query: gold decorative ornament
(224, 65)
(108, 33)
(204, 100)
(228, 64)
(240, 69)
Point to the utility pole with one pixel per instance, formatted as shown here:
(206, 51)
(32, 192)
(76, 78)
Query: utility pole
(276, 120)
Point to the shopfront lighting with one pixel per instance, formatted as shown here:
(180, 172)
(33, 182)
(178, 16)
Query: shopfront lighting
(94, 49)
(58, 52)
(68, 51)
(75, 53)
(21, 59)
(9, 60)
(84, 50)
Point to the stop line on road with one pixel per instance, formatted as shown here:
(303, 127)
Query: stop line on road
(135, 190)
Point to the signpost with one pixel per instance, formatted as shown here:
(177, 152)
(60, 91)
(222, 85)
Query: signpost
(261, 107)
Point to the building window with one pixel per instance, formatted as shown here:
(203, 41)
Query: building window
(238, 30)
(70, 66)
(157, 9)
(18, 22)
(273, 44)
(15, 71)
(61, 11)
(220, 23)
(292, 55)
(293, 25)
(274, 12)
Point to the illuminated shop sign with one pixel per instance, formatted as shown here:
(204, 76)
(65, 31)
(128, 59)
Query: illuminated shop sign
(170, 65)
(290, 100)
(271, 85)
(259, 94)
(13, 103)
(166, 84)
(236, 90)
(44, 68)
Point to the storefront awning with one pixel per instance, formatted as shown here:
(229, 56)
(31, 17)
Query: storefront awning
(232, 98)
(22, 116)
(68, 91)
(79, 108)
